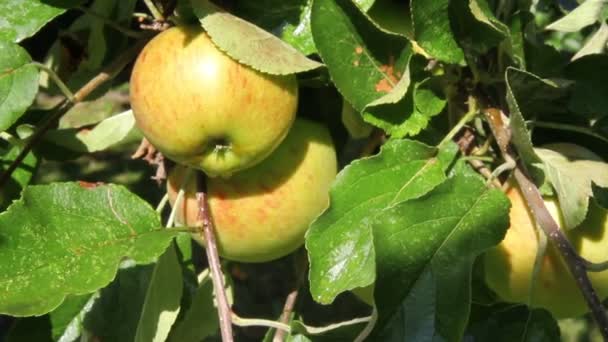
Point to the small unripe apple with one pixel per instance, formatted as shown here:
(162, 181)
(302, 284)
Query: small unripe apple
(509, 266)
(203, 109)
(262, 213)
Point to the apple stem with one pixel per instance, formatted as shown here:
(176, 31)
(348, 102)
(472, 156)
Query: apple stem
(577, 265)
(208, 233)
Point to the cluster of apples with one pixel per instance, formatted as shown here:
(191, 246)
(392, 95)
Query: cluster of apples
(269, 173)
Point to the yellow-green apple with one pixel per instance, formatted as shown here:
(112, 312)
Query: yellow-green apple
(262, 213)
(509, 266)
(203, 109)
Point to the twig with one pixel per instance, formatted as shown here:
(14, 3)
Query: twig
(110, 23)
(105, 75)
(301, 267)
(534, 200)
(290, 302)
(207, 232)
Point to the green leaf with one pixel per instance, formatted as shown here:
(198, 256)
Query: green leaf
(432, 30)
(584, 15)
(365, 62)
(411, 114)
(201, 320)
(571, 169)
(68, 238)
(115, 130)
(520, 135)
(18, 83)
(250, 44)
(20, 19)
(441, 233)
(339, 242)
(163, 297)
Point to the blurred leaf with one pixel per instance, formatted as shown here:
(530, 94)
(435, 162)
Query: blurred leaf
(89, 113)
(589, 93)
(18, 83)
(441, 233)
(67, 238)
(513, 323)
(250, 44)
(115, 130)
(339, 242)
(20, 19)
(353, 122)
(116, 313)
(21, 176)
(365, 63)
(201, 320)
(432, 30)
(571, 169)
(596, 44)
(584, 15)
(520, 84)
(162, 303)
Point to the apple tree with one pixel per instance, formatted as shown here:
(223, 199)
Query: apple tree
(303, 170)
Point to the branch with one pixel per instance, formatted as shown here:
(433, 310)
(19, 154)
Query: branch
(534, 200)
(105, 75)
(207, 232)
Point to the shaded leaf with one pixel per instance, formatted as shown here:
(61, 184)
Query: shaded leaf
(475, 26)
(67, 238)
(201, 320)
(600, 194)
(571, 170)
(339, 242)
(589, 91)
(20, 19)
(432, 30)
(116, 312)
(441, 233)
(18, 83)
(162, 303)
(21, 176)
(250, 44)
(513, 323)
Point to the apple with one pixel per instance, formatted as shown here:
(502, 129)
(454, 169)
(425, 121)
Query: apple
(203, 109)
(509, 266)
(262, 213)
